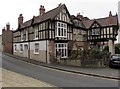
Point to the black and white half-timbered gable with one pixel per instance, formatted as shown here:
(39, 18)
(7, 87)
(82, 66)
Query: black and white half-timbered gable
(102, 32)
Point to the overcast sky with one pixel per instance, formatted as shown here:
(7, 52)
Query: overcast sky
(10, 9)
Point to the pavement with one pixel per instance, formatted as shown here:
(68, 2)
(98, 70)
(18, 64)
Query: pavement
(13, 79)
(98, 72)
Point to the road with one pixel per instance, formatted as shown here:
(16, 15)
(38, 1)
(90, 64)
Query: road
(55, 77)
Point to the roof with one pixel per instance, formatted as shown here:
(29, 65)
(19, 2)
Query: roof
(86, 22)
(48, 15)
(102, 21)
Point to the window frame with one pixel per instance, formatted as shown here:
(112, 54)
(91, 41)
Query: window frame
(61, 30)
(95, 31)
(37, 48)
(64, 48)
(36, 33)
(21, 47)
(15, 48)
(22, 35)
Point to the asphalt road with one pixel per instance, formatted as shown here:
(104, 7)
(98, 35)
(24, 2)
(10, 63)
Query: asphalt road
(54, 77)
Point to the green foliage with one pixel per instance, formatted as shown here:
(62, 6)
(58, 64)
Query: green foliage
(117, 50)
(106, 49)
(95, 54)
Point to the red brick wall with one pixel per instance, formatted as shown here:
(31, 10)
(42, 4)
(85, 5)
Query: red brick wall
(8, 48)
(52, 51)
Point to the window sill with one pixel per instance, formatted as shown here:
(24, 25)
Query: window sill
(20, 51)
(36, 53)
(60, 36)
(35, 38)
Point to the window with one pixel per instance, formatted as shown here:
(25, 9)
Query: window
(36, 33)
(26, 35)
(22, 38)
(64, 18)
(62, 49)
(95, 31)
(25, 47)
(36, 50)
(21, 47)
(15, 48)
(61, 30)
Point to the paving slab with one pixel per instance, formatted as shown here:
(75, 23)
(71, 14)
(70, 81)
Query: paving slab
(12, 79)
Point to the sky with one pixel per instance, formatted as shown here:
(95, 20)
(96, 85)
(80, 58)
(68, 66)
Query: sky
(10, 9)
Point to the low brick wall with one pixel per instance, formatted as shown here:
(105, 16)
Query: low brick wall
(83, 63)
(71, 62)
(92, 63)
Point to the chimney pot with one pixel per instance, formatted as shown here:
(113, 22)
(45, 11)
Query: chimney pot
(110, 13)
(8, 26)
(41, 10)
(110, 18)
(20, 19)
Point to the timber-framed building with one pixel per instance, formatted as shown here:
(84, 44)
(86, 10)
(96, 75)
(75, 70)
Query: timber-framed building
(56, 31)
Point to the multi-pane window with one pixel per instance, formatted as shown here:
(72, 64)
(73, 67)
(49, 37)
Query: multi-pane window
(61, 49)
(26, 35)
(21, 47)
(36, 49)
(95, 31)
(36, 33)
(22, 35)
(61, 30)
(15, 48)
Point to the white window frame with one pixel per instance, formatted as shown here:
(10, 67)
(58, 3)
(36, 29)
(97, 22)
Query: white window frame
(35, 48)
(62, 28)
(21, 47)
(36, 33)
(15, 48)
(25, 45)
(26, 35)
(22, 35)
(96, 31)
(64, 48)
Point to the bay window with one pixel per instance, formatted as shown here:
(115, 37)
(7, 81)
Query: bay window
(62, 49)
(61, 30)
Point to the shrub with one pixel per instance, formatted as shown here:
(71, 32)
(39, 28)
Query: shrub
(95, 54)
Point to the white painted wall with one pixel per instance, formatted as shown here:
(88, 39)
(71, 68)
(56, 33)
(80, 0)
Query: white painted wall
(42, 45)
(18, 46)
(119, 36)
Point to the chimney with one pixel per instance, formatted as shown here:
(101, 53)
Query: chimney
(3, 29)
(20, 19)
(80, 16)
(41, 10)
(8, 26)
(110, 18)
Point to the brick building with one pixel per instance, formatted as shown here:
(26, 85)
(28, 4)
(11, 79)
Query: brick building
(7, 39)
